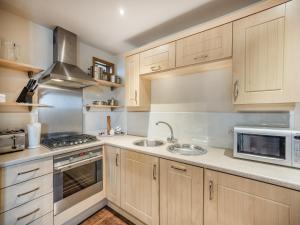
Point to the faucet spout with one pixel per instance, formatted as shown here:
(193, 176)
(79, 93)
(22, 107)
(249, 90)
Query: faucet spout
(171, 139)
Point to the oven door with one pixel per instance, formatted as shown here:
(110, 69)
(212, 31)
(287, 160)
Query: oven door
(76, 182)
(263, 144)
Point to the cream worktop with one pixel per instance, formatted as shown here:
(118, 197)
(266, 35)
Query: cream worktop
(216, 158)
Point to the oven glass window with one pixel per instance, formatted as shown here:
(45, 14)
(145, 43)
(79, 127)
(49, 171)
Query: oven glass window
(76, 179)
(261, 145)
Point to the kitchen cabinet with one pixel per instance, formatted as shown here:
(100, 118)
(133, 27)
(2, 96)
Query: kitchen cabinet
(235, 200)
(138, 90)
(210, 45)
(158, 59)
(140, 186)
(113, 174)
(264, 46)
(181, 194)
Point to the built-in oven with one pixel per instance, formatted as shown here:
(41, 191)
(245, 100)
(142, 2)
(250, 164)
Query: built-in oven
(268, 144)
(77, 176)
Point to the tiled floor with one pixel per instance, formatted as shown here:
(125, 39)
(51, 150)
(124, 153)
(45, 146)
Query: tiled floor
(106, 216)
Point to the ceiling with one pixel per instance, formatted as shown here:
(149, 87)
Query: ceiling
(100, 23)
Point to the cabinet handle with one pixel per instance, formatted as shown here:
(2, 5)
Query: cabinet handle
(201, 57)
(29, 171)
(154, 68)
(236, 90)
(117, 159)
(178, 168)
(211, 190)
(154, 172)
(135, 96)
(28, 192)
(28, 214)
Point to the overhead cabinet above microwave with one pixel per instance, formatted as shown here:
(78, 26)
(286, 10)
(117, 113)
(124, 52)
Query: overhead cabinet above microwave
(261, 44)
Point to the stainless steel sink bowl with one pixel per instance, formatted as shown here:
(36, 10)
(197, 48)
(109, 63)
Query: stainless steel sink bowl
(148, 143)
(186, 149)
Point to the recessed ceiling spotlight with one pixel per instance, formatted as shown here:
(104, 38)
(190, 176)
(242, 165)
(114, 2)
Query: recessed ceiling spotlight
(121, 11)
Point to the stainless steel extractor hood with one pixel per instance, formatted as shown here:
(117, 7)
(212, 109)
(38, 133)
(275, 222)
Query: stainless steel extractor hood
(64, 71)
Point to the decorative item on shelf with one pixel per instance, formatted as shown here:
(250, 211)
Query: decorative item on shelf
(112, 102)
(113, 78)
(27, 92)
(107, 67)
(118, 80)
(9, 50)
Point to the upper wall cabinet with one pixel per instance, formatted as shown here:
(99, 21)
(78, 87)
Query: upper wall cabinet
(138, 90)
(213, 44)
(263, 45)
(158, 59)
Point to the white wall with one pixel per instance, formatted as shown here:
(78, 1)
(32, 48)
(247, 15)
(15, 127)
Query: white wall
(199, 108)
(36, 48)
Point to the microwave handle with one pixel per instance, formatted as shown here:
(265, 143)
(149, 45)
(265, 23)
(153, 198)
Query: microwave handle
(76, 164)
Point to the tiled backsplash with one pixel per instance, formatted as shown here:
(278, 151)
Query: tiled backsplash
(213, 128)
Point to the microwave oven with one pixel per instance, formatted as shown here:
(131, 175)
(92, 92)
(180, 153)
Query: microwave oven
(279, 146)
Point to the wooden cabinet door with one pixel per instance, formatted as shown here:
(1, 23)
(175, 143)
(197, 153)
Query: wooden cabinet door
(206, 46)
(140, 186)
(181, 194)
(113, 174)
(158, 59)
(235, 200)
(132, 80)
(258, 57)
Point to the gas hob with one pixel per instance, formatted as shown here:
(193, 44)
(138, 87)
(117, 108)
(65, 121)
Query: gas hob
(70, 140)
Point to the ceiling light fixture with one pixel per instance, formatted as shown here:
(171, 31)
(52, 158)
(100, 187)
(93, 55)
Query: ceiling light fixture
(121, 11)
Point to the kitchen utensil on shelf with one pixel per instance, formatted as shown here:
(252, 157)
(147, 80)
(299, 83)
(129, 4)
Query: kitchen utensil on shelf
(27, 92)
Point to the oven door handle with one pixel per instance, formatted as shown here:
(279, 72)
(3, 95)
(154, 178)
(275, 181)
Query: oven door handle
(76, 164)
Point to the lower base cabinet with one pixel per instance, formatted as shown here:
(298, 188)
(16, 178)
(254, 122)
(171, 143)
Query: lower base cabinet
(233, 200)
(140, 186)
(181, 194)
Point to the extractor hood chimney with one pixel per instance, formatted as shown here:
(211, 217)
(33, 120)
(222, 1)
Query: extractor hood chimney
(64, 71)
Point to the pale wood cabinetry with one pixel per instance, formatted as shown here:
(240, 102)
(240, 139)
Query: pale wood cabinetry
(138, 90)
(26, 195)
(140, 186)
(263, 46)
(210, 45)
(181, 194)
(158, 59)
(113, 174)
(235, 200)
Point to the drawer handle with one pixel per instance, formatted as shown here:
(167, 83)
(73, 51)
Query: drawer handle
(28, 214)
(201, 57)
(178, 168)
(154, 68)
(29, 171)
(28, 192)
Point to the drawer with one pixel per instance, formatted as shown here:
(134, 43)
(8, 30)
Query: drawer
(210, 45)
(25, 192)
(28, 212)
(25, 171)
(158, 59)
(44, 220)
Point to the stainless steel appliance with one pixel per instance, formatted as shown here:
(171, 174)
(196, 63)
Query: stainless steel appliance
(12, 141)
(77, 176)
(68, 140)
(64, 71)
(266, 144)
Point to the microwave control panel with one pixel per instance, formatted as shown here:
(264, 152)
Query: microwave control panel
(296, 150)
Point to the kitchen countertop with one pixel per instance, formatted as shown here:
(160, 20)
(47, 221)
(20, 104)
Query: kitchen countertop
(216, 159)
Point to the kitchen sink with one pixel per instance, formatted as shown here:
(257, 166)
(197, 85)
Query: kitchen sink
(148, 143)
(186, 149)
